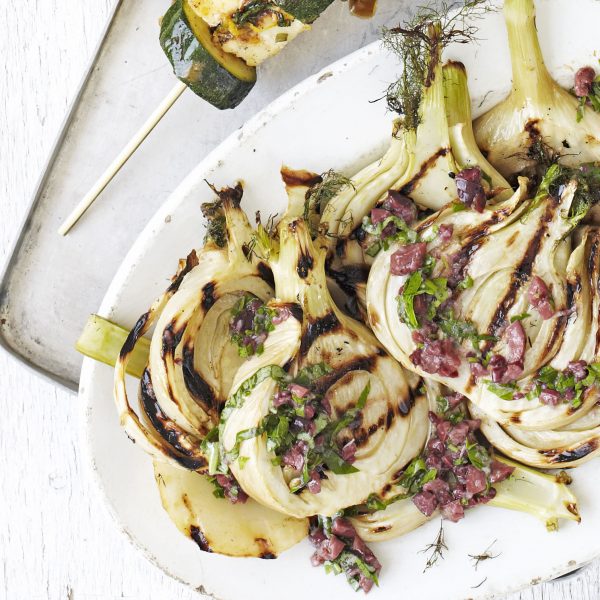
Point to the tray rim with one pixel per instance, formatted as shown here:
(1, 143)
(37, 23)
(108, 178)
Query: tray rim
(15, 247)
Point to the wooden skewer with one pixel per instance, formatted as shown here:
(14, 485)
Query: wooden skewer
(122, 158)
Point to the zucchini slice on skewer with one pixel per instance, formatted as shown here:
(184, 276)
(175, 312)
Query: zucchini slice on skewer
(222, 79)
(306, 11)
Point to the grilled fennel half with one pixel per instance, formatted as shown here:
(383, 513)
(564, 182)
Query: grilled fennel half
(192, 361)
(351, 216)
(542, 495)
(506, 290)
(426, 148)
(364, 423)
(537, 111)
(395, 511)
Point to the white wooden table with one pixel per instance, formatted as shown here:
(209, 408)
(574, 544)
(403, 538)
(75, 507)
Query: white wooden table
(57, 541)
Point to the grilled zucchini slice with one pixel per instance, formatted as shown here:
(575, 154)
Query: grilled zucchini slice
(222, 79)
(306, 11)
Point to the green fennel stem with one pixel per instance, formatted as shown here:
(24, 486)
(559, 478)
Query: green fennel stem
(531, 78)
(539, 494)
(458, 102)
(102, 340)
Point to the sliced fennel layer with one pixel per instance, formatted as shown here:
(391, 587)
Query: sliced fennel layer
(542, 495)
(393, 426)
(216, 525)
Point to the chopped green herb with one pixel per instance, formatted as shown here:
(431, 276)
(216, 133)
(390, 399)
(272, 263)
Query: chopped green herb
(592, 100)
(249, 307)
(478, 455)
(348, 563)
(520, 317)
(401, 233)
(462, 330)
(308, 375)
(254, 10)
(336, 463)
(458, 207)
(505, 391)
(281, 437)
(466, 283)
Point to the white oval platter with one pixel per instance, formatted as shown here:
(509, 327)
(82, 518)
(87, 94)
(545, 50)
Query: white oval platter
(330, 121)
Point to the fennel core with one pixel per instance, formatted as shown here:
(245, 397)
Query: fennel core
(419, 44)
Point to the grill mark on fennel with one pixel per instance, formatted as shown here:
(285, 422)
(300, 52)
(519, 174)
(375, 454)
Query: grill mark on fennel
(167, 429)
(208, 295)
(423, 169)
(200, 390)
(520, 275)
(141, 326)
(577, 453)
(316, 328)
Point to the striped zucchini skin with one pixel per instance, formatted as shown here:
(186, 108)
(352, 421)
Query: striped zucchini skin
(219, 78)
(306, 11)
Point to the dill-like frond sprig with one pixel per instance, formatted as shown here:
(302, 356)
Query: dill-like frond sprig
(263, 243)
(419, 44)
(436, 549)
(320, 194)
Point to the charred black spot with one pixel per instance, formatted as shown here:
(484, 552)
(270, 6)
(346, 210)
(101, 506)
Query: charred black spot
(340, 247)
(389, 418)
(363, 436)
(555, 336)
(166, 428)
(593, 256)
(349, 276)
(358, 364)
(305, 264)
(516, 418)
(406, 405)
(426, 166)
(170, 339)
(208, 295)
(134, 335)
(190, 262)
(573, 290)
(382, 528)
(197, 535)
(532, 129)
(265, 549)
(195, 384)
(386, 489)
(359, 234)
(572, 508)
(293, 178)
(566, 144)
(295, 309)
(265, 273)
(230, 196)
(520, 276)
(571, 455)
(316, 328)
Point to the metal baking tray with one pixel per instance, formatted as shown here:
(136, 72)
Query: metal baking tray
(51, 284)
